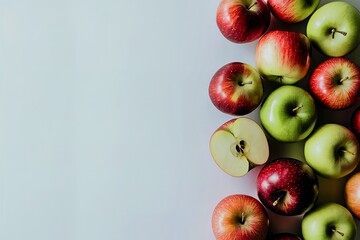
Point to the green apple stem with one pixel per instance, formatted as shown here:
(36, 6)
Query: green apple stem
(347, 151)
(334, 30)
(297, 108)
(334, 230)
(252, 5)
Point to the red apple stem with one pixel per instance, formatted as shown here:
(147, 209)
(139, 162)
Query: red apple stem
(343, 79)
(334, 230)
(242, 221)
(333, 31)
(297, 108)
(244, 83)
(276, 202)
(252, 5)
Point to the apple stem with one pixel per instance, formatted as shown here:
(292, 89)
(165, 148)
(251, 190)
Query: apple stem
(276, 202)
(244, 83)
(333, 229)
(347, 151)
(333, 31)
(297, 108)
(252, 5)
(343, 79)
(242, 221)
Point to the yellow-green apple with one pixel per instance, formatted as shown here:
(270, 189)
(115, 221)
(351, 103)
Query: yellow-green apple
(239, 217)
(336, 83)
(292, 11)
(242, 21)
(239, 145)
(284, 236)
(334, 28)
(283, 56)
(287, 186)
(332, 151)
(288, 114)
(328, 221)
(236, 88)
(352, 194)
(355, 122)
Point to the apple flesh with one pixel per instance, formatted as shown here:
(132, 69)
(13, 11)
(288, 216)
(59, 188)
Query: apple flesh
(352, 194)
(239, 217)
(336, 83)
(287, 186)
(236, 89)
(283, 56)
(242, 21)
(239, 145)
(328, 221)
(292, 11)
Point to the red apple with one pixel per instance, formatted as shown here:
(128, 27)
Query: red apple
(352, 194)
(355, 122)
(236, 89)
(283, 56)
(239, 217)
(284, 236)
(242, 21)
(336, 83)
(287, 186)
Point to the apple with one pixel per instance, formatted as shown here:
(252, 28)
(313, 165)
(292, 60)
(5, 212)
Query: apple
(334, 28)
(236, 88)
(287, 186)
(336, 83)
(352, 194)
(283, 56)
(242, 21)
(288, 114)
(328, 221)
(239, 145)
(238, 217)
(332, 151)
(292, 11)
(355, 122)
(284, 236)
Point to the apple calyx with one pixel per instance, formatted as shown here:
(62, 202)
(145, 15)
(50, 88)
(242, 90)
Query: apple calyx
(334, 230)
(295, 109)
(238, 148)
(334, 30)
(252, 5)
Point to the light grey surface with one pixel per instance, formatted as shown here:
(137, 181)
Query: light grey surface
(105, 120)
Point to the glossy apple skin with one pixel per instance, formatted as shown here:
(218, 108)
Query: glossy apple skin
(240, 24)
(279, 119)
(227, 215)
(355, 122)
(324, 220)
(284, 236)
(293, 181)
(292, 11)
(352, 194)
(236, 89)
(336, 83)
(340, 16)
(283, 56)
(332, 150)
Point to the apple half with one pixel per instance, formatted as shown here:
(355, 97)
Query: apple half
(239, 145)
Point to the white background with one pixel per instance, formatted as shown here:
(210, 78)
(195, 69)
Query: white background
(105, 120)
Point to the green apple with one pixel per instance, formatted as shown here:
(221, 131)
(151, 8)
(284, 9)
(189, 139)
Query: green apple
(239, 145)
(332, 151)
(328, 221)
(288, 114)
(334, 28)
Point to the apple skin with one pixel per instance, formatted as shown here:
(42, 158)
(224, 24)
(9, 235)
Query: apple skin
(287, 186)
(242, 21)
(328, 221)
(283, 56)
(238, 217)
(336, 83)
(292, 11)
(355, 122)
(333, 151)
(284, 236)
(334, 29)
(288, 114)
(236, 89)
(352, 194)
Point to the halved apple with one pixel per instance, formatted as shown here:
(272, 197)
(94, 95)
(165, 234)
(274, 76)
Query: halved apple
(239, 145)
